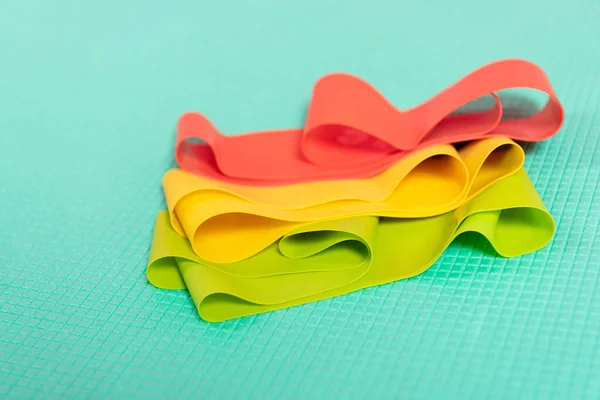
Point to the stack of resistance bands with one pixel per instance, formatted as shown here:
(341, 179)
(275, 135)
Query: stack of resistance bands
(364, 194)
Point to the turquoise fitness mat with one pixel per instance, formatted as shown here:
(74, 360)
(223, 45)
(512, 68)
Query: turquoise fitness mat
(89, 96)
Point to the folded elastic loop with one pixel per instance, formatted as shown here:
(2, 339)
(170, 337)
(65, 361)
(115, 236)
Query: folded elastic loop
(509, 213)
(212, 214)
(352, 131)
(362, 127)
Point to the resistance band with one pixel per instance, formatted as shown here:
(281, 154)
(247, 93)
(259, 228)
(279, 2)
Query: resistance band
(352, 131)
(213, 214)
(329, 258)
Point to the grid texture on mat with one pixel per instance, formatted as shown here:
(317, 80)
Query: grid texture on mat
(89, 95)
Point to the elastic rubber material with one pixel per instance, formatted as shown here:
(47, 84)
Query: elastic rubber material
(352, 131)
(228, 223)
(329, 258)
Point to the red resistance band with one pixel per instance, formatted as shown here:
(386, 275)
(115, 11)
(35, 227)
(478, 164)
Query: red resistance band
(352, 131)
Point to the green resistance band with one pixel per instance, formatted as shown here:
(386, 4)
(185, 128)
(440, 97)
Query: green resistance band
(335, 257)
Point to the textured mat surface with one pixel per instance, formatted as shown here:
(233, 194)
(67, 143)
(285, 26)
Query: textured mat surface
(89, 95)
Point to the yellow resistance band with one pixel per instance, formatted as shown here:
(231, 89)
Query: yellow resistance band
(227, 223)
